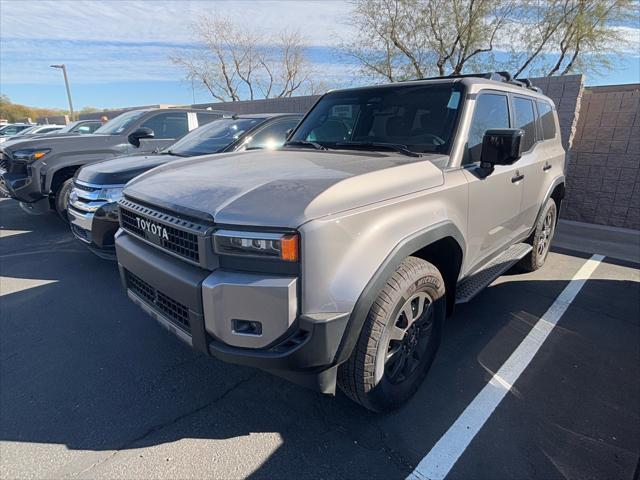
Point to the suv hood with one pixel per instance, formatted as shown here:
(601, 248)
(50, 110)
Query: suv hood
(283, 188)
(119, 171)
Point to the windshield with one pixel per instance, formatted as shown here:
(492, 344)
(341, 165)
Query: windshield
(212, 137)
(68, 128)
(120, 123)
(27, 131)
(421, 118)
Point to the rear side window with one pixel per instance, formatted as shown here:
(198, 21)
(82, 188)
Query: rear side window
(168, 125)
(492, 111)
(525, 118)
(204, 118)
(272, 136)
(547, 121)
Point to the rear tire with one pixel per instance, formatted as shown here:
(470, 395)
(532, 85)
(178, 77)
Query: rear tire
(62, 198)
(542, 237)
(394, 352)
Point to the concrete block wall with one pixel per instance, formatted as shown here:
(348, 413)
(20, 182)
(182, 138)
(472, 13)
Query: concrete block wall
(603, 176)
(566, 92)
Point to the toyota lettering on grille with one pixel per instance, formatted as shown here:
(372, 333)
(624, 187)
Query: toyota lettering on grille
(152, 228)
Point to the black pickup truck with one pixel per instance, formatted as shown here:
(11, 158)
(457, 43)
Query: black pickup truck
(39, 172)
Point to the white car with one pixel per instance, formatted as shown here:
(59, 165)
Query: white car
(35, 130)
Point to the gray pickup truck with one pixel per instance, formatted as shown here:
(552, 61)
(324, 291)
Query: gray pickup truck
(335, 260)
(39, 172)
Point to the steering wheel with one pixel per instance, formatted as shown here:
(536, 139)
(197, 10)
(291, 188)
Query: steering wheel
(436, 139)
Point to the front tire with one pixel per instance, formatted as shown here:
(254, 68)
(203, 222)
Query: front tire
(542, 237)
(399, 339)
(62, 198)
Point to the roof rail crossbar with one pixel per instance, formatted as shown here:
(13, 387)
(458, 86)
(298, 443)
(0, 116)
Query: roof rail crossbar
(498, 76)
(502, 76)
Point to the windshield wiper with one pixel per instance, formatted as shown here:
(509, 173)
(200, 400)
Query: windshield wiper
(398, 147)
(305, 143)
(171, 152)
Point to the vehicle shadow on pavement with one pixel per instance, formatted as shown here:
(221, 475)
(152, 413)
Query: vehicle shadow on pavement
(81, 366)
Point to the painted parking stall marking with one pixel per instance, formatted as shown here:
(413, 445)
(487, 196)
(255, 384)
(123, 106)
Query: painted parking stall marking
(446, 452)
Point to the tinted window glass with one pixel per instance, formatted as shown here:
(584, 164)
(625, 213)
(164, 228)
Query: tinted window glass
(47, 130)
(492, 111)
(13, 129)
(525, 119)
(27, 131)
(168, 125)
(422, 117)
(547, 120)
(204, 118)
(213, 137)
(119, 124)
(272, 136)
(88, 127)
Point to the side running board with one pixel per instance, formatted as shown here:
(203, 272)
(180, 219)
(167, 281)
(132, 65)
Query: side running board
(478, 281)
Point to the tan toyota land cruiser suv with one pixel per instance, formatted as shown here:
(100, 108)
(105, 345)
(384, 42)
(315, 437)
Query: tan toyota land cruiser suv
(335, 260)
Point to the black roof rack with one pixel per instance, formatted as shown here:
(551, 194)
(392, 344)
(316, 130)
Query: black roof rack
(497, 76)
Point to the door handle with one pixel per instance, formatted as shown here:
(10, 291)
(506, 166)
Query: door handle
(546, 167)
(517, 177)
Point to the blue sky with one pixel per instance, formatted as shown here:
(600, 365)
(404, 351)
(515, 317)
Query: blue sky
(117, 51)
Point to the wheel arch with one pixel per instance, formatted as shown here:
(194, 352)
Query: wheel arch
(61, 175)
(437, 244)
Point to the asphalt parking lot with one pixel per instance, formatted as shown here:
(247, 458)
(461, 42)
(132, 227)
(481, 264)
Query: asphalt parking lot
(90, 387)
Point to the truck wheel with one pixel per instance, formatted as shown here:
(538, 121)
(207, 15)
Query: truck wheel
(62, 198)
(542, 236)
(399, 339)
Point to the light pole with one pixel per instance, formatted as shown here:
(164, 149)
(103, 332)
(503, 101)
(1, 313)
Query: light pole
(66, 84)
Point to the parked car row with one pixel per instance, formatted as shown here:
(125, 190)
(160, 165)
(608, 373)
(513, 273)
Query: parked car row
(328, 249)
(18, 132)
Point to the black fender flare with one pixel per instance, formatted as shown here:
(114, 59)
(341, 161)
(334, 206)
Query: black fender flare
(402, 250)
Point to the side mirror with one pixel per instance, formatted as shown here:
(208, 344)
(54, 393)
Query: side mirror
(139, 134)
(500, 146)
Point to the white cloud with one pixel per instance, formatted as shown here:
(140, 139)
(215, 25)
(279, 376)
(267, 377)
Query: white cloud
(321, 22)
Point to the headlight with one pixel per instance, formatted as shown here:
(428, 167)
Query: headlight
(257, 244)
(30, 155)
(111, 194)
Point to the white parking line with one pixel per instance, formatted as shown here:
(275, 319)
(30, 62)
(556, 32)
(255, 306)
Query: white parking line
(446, 452)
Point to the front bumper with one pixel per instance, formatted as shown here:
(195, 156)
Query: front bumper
(96, 229)
(201, 308)
(18, 180)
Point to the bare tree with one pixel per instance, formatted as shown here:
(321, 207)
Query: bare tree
(588, 30)
(554, 35)
(400, 39)
(403, 39)
(237, 62)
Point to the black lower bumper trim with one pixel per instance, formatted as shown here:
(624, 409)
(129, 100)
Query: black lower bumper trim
(306, 355)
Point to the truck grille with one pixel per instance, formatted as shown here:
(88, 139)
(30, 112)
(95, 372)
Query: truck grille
(174, 311)
(4, 163)
(178, 241)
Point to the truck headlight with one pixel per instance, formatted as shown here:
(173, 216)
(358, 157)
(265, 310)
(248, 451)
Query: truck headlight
(30, 155)
(282, 246)
(111, 194)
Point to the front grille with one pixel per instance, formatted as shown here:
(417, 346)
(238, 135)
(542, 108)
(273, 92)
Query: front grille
(10, 166)
(174, 311)
(179, 241)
